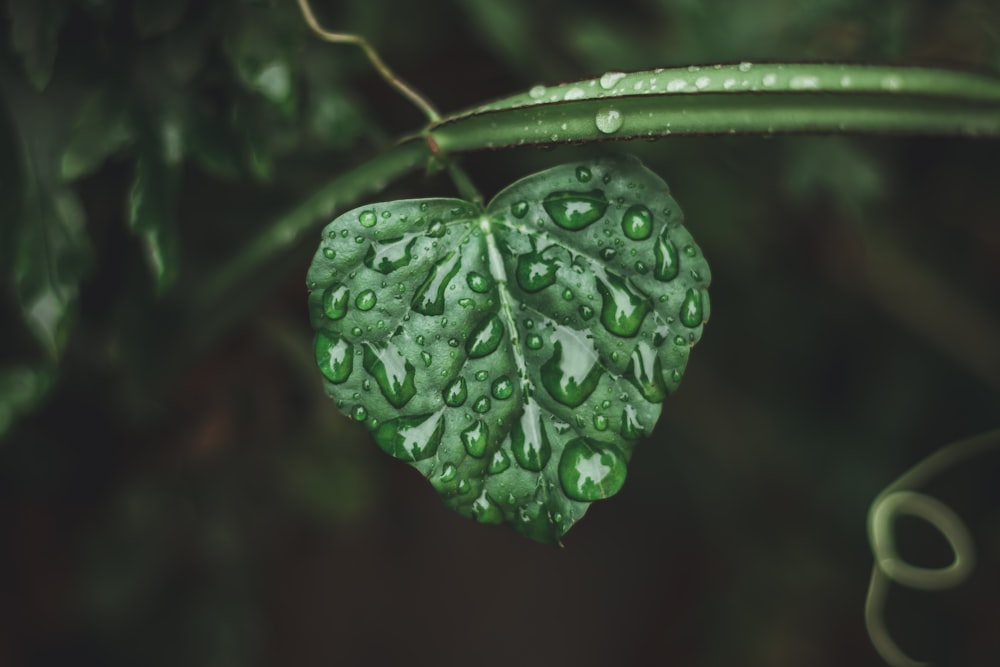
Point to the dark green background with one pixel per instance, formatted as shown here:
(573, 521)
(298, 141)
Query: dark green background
(175, 488)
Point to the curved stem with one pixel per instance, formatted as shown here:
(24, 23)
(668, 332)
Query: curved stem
(390, 77)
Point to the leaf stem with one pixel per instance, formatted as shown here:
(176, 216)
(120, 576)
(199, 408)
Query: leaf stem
(387, 74)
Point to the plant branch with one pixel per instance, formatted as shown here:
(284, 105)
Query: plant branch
(387, 74)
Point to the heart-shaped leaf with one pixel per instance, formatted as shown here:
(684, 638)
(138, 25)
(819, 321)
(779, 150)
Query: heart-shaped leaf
(513, 355)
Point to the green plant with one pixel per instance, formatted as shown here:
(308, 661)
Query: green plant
(144, 113)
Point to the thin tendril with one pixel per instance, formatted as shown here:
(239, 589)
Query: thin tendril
(390, 77)
(899, 498)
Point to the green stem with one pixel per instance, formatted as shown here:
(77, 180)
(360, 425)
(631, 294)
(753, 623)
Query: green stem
(387, 74)
(287, 232)
(733, 99)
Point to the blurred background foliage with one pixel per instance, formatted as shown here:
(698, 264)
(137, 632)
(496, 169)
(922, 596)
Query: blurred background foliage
(176, 489)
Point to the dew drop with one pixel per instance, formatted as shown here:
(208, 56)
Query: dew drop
(329, 253)
(588, 471)
(519, 209)
(499, 463)
(478, 282)
(537, 92)
(609, 120)
(426, 358)
(448, 472)
(411, 438)
(583, 174)
(534, 272)
(586, 312)
(485, 338)
(637, 223)
(572, 373)
(567, 294)
(574, 94)
(575, 210)
(429, 298)
(667, 264)
(393, 373)
(502, 388)
(622, 310)
(610, 79)
(646, 373)
(486, 511)
(367, 218)
(455, 393)
(691, 310)
(335, 357)
(359, 413)
(482, 375)
(600, 422)
(533, 341)
(475, 438)
(335, 299)
(529, 441)
(366, 300)
(482, 405)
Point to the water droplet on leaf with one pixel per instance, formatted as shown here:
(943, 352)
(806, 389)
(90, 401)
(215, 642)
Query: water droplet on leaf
(366, 300)
(588, 471)
(622, 310)
(575, 210)
(411, 438)
(335, 300)
(475, 438)
(609, 120)
(429, 298)
(485, 338)
(335, 357)
(572, 373)
(393, 373)
(637, 223)
(691, 311)
(456, 393)
(367, 218)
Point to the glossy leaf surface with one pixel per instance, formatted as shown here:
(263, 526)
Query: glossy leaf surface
(513, 355)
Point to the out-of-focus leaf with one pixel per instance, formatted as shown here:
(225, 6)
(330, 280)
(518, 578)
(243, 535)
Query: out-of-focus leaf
(154, 17)
(152, 216)
(21, 387)
(513, 355)
(261, 46)
(53, 256)
(102, 128)
(34, 34)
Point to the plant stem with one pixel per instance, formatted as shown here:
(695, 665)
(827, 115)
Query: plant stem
(387, 74)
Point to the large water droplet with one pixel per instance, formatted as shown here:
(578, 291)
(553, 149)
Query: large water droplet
(622, 310)
(387, 256)
(519, 209)
(486, 511)
(534, 272)
(367, 218)
(533, 341)
(571, 374)
(502, 388)
(482, 405)
(456, 392)
(610, 79)
(637, 223)
(609, 120)
(393, 372)
(485, 338)
(667, 262)
(590, 471)
(411, 438)
(359, 413)
(575, 210)
(631, 428)
(429, 299)
(691, 311)
(426, 358)
(646, 373)
(329, 252)
(335, 300)
(448, 472)
(478, 282)
(475, 438)
(583, 174)
(499, 462)
(335, 357)
(529, 441)
(366, 300)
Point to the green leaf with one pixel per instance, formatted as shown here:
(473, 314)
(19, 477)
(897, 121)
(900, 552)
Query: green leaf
(101, 129)
(152, 217)
(513, 354)
(34, 35)
(21, 387)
